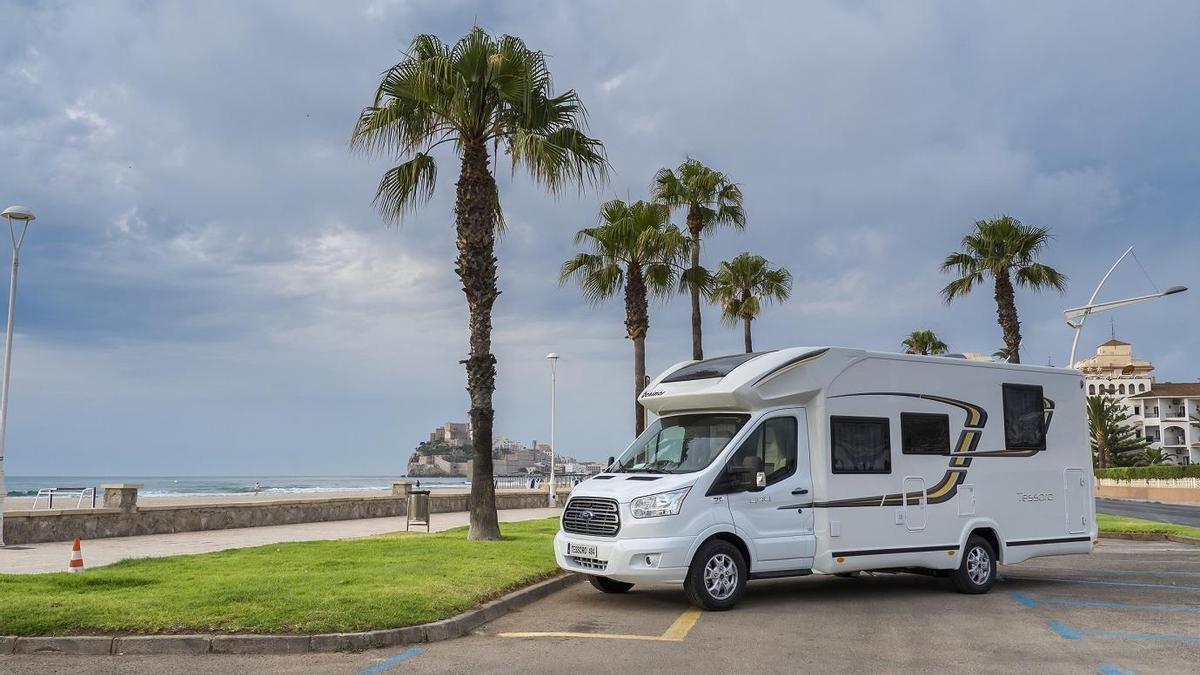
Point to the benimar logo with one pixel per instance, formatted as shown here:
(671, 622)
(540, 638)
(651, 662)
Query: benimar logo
(648, 394)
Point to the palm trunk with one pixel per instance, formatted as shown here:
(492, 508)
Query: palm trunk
(694, 224)
(1006, 314)
(637, 324)
(474, 213)
(746, 334)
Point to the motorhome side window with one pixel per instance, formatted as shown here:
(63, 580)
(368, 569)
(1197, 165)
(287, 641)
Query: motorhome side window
(1024, 417)
(860, 444)
(924, 434)
(774, 442)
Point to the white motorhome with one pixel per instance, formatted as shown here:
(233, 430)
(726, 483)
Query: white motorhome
(834, 461)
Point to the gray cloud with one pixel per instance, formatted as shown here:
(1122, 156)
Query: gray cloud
(209, 289)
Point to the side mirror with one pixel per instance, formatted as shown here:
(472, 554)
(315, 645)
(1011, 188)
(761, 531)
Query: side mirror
(749, 477)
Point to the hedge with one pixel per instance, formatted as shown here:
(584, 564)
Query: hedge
(1162, 472)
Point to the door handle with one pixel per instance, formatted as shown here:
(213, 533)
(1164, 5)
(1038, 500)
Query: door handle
(800, 491)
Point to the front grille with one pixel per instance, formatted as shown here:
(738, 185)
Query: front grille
(588, 563)
(591, 515)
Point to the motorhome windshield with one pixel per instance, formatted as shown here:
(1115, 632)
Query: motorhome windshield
(680, 444)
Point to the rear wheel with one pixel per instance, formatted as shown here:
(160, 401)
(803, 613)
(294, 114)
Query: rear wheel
(716, 580)
(606, 585)
(977, 571)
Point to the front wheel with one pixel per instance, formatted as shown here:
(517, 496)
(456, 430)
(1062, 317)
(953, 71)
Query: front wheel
(606, 585)
(717, 578)
(977, 571)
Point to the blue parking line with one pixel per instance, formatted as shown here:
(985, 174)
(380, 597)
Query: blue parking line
(392, 662)
(1064, 631)
(1168, 587)
(1067, 633)
(1029, 601)
(1112, 571)
(1110, 669)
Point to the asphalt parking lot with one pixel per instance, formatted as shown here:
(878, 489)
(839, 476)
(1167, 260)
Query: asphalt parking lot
(1132, 607)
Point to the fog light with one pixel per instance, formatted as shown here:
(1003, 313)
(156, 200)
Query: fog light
(651, 559)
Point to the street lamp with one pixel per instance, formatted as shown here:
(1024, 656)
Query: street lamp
(24, 216)
(1077, 316)
(552, 357)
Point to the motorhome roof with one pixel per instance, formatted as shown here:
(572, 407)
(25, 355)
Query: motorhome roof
(746, 380)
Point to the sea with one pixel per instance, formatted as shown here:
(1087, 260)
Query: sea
(175, 486)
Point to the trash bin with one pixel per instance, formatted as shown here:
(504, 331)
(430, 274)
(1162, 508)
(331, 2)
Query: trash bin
(417, 512)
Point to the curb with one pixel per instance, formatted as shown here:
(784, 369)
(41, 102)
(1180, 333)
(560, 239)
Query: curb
(1150, 536)
(446, 629)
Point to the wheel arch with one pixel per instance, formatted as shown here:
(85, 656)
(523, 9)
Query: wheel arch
(988, 530)
(726, 535)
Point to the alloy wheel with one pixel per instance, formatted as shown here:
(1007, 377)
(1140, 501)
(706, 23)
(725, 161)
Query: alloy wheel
(720, 576)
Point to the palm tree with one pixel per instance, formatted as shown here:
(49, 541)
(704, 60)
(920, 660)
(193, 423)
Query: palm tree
(923, 342)
(1004, 249)
(479, 92)
(633, 247)
(743, 285)
(711, 199)
(1114, 443)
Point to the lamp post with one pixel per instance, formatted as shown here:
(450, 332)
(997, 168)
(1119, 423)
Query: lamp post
(1077, 316)
(24, 216)
(552, 357)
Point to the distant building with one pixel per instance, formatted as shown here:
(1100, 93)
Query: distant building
(452, 433)
(1160, 412)
(1115, 371)
(507, 445)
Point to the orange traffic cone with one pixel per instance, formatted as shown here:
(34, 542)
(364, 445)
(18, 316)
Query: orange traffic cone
(76, 564)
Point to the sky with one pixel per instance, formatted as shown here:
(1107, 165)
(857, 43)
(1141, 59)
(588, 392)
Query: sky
(208, 289)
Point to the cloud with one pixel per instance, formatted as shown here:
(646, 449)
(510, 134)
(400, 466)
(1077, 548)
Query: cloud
(208, 286)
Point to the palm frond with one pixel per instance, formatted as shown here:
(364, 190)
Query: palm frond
(406, 186)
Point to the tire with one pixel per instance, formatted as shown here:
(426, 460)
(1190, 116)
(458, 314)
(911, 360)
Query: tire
(977, 570)
(716, 581)
(606, 585)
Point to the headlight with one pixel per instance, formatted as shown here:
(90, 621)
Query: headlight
(661, 504)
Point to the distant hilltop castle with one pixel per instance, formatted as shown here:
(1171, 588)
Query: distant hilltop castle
(1161, 412)
(448, 453)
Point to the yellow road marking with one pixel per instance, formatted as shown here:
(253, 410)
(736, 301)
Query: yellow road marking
(675, 633)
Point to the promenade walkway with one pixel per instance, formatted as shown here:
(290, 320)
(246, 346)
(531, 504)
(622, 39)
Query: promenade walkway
(52, 557)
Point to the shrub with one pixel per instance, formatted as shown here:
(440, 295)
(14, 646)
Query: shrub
(1160, 472)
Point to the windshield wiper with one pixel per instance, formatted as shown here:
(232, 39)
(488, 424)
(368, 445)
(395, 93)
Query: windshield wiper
(649, 470)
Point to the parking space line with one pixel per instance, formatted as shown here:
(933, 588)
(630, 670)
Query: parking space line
(1029, 601)
(1165, 587)
(1113, 571)
(1068, 633)
(392, 662)
(676, 632)
(1110, 669)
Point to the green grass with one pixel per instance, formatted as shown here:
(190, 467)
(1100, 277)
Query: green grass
(310, 587)
(1108, 523)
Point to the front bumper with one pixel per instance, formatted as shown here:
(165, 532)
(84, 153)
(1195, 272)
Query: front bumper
(626, 559)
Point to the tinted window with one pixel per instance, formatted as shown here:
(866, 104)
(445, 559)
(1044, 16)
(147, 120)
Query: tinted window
(774, 441)
(924, 434)
(710, 368)
(860, 445)
(1024, 417)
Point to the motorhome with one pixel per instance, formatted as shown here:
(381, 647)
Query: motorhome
(837, 461)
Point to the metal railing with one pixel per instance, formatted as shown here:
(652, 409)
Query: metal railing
(80, 493)
(536, 482)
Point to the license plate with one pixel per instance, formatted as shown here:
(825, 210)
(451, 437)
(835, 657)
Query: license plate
(581, 550)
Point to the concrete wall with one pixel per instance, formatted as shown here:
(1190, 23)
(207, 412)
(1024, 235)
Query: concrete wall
(1150, 494)
(28, 527)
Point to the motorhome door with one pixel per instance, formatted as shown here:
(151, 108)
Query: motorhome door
(779, 517)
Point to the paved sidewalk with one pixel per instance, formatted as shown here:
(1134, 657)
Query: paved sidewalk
(52, 557)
